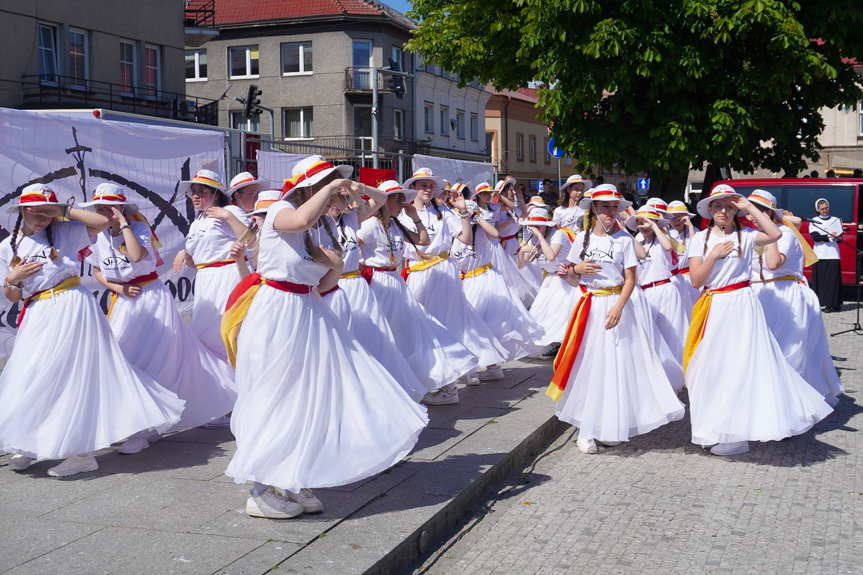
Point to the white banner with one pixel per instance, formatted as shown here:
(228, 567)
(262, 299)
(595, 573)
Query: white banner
(456, 171)
(74, 154)
(277, 166)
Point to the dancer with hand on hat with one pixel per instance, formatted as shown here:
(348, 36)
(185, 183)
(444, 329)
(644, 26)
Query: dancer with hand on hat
(149, 329)
(314, 408)
(741, 387)
(681, 230)
(569, 214)
(790, 307)
(435, 355)
(608, 380)
(506, 213)
(66, 390)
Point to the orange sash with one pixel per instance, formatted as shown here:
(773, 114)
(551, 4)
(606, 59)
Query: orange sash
(700, 311)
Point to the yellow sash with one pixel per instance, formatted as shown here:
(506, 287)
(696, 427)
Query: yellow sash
(427, 263)
(353, 274)
(809, 256)
(700, 311)
(64, 285)
(475, 272)
(787, 278)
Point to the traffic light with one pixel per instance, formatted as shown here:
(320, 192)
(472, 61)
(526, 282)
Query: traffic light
(396, 83)
(251, 107)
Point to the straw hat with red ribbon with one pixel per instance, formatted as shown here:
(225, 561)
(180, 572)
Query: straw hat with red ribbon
(575, 179)
(648, 213)
(392, 187)
(207, 178)
(245, 179)
(461, 187)
(658, 203)
(720, 191)
(107, 194)
(425, 174)
(32, 196)
(266, 199)
(311, 170)
(480, 188)
(603, 193)
(538, 216)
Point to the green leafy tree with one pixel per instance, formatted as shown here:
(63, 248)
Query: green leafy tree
(662, 85)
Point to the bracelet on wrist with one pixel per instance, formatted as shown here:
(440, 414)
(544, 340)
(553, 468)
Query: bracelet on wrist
(17, 287)
(417, 222)
(125, 226)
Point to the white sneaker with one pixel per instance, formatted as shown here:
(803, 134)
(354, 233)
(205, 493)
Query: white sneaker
(733, 448)
(491, 373)
(471, 379)
(270, 505)
(73, 465)
(586, 445)
(219, 423)
(609, 443)
(441, 397)
(20, 462)
(307, 499)
(134, 444)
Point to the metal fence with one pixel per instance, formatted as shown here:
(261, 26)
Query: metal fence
(362, 157)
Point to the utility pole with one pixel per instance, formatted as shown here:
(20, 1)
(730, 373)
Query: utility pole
(388, 71)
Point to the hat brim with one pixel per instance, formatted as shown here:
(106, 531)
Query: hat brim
(184, 186)
(549, 223)
(584, 204)
(632, 222)
(106, 203)
(14, 208)
(566, 186)
(672, 214)
(410, 195)
(439, 182)
(703, 206)
(265, 185)
(343, 171)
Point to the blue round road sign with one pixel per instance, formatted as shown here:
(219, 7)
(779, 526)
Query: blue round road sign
(553, 150)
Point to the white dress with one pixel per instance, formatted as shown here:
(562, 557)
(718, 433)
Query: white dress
(680, 276)
(556, 297)
(209, 241)
(433, 353)
(794, 317)
(740, 385)
(521, 281)
(439, 289)
(67, 389)
(617, 388)
(572, 218)
(668, 317)
(314, 409)
(354, 304)
(490, 294)
(155, 339)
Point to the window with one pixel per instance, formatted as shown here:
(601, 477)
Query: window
(474, 127)
(298, 123)
(243, 62)
(152, 77)
(519, 147)
(860, 118)
(459, 124)
(296, 58)
(196, 65)
(547, 155)
(398, 124)
(398, 57)
(531, 149)
(444, 121)
(239, 122)
(78, 67)
(429, 118)
(362, 59)
(127, 67)
(47, 53)
(363, 121)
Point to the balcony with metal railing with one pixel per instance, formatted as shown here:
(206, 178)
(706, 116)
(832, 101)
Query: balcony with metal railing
(54, 91)
(358, 145)
(358, 80)
(199, 22)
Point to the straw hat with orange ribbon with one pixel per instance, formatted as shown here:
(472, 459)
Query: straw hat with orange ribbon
(678, 208)
(575, 179)
(311, 170)
(108, 194)
(538, 216)
(720, 191)
(768, 200)
(603, 193)
(266, 199)
(648, 213)
(460, 188)
(392, 187)
(245, 179)
(480, 188)
(425, 174)
(207, 178)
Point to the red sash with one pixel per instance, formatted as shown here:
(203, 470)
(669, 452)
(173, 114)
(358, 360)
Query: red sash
(654, 284)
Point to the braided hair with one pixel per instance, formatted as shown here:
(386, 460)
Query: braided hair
(49, 233)
(587, 231)
(737, 228)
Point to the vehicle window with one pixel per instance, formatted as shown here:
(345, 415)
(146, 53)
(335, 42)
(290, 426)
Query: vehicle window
(801, 199)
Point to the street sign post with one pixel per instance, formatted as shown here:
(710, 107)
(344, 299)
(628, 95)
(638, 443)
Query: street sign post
(553, 150)
(643, 186)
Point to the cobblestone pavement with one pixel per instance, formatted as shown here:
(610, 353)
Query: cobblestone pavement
(660, 504)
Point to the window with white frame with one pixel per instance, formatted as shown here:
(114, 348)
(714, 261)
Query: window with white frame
(152, 71)
(239, 122)
(531, 149)
(860, 118)
(444, 121)
(47, 53)
(196, 65)
(398, 57)
(127, 67)
(474, 127)
(519, 147)
(547, 155)
(298, 123)
(78, 68)
(429, 118)
(398, 124)
(243, 62)
(459, 124)
(296, 58)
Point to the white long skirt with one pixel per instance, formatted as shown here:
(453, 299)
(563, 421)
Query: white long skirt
(688, 294)
(433, 353)
(617, 388)
(525, 285)
(314, 409)
(669, 317)
(794, 317)
(67, 388)
(552, 307)
(502, 310)
(155, 339)
(438, 289)
(741, 388)
(213, 286)
(672, 363)
(357, 309)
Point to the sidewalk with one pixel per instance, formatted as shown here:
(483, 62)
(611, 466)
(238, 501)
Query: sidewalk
(171, 508)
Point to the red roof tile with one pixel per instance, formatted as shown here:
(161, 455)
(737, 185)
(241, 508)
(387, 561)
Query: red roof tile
(236, 11)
